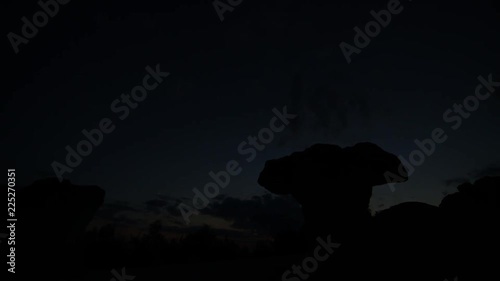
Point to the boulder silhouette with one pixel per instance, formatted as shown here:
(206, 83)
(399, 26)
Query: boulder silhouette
(53, 216)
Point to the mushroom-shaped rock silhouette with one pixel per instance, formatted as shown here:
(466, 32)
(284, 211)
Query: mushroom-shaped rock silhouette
(332, 182)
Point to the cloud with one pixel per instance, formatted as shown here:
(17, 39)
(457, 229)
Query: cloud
(455, 181)
(119, 212)
(155, 205)
(328, 108)
(490, 170)
(119, 206)
(264, 214)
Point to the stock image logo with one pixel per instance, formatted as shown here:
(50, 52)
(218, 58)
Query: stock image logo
(277, 140)
(31, 26)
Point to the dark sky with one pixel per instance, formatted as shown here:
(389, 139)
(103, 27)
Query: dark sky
(225, 79)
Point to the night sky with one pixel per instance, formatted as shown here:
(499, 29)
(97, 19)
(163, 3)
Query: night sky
(225, 79)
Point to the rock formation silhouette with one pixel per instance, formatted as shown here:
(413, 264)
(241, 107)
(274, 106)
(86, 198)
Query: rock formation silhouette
(53, 216)
(473, 216)
(409, 241)
(331, 181)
